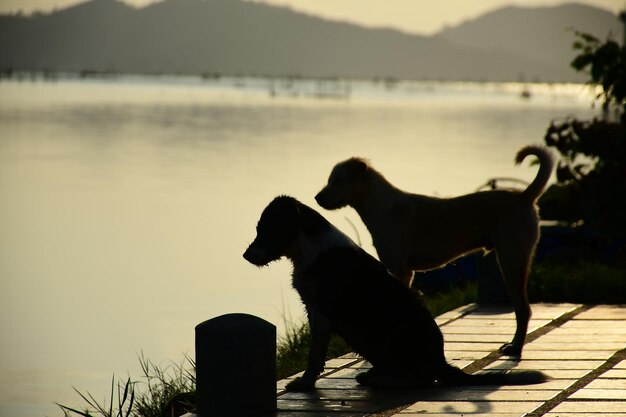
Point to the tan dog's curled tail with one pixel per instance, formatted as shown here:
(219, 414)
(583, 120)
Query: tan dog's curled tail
(546, 165)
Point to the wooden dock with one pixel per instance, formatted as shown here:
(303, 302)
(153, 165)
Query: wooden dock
(581, 347)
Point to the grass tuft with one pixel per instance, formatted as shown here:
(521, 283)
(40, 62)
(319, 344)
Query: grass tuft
(167, 391)
(125, 402)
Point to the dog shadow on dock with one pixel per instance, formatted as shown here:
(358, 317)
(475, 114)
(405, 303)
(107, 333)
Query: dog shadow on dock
(338, 392)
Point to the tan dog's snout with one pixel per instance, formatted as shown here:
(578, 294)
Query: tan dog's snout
(344, 183)
(322, 198)
(330, 199)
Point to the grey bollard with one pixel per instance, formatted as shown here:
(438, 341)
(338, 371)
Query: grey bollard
(235, 366)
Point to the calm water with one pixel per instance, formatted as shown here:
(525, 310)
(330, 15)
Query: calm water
(125, 205)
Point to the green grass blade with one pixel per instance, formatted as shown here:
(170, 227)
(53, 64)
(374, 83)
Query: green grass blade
(80, 413)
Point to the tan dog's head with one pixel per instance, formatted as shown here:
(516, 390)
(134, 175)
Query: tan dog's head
(346, 184)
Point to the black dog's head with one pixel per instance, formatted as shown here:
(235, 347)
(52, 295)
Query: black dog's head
(277, 231)
(345, 183)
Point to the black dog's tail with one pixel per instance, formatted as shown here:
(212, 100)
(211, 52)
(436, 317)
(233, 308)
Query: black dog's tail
(451, 375)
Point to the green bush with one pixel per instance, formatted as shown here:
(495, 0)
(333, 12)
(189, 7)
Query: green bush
(581, 281)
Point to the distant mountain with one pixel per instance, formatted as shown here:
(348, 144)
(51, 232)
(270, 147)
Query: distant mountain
(542, 34)
(237, 37)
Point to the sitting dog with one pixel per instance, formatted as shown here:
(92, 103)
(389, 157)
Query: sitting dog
(414, 232)
(347, 291)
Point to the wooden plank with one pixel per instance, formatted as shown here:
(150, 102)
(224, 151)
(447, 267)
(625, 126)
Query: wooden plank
(479, 330)
(614, 373)
(478, 338)
(548, 364)
(620, 364)
(561, 336)
(607, 383)
(471, 347)
(599, 394)
(544, 344)
(591, 407)
(604, 312)
(472, 407)
(495, 394)
(567, 354)
(488, 323)
(326, 406)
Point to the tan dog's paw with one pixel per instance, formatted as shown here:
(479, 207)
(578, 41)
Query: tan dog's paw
(509, 349)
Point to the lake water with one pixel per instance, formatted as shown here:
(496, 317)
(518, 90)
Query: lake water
(126, 204)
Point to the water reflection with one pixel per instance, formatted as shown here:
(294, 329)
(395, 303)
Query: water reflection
(126, 207)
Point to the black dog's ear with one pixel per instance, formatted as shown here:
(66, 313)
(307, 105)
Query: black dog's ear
(283, 210)
(311, 221)
(287, 208)
(358, 167)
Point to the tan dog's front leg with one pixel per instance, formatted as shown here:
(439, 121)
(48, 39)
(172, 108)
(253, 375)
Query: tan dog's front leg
(320, 336)
(398, 269)
(522, 317)
(514, 265)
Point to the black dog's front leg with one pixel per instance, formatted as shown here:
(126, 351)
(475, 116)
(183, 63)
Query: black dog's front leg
(320, 336)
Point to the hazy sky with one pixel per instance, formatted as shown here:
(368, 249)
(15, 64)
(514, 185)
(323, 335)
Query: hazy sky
(419, 16)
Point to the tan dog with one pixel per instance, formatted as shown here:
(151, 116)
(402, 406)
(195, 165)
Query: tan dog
(414, 232)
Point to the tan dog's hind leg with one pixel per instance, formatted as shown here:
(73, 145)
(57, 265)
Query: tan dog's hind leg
(396, 265)
(404, 275)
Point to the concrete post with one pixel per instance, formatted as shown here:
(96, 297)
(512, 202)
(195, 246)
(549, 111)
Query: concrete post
(235, 366)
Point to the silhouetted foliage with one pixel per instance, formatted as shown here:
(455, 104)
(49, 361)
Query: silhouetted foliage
(607, 67)
(591, 173)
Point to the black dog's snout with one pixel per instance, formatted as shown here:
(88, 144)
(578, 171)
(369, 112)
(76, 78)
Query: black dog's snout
(255, 256)
(246, 255)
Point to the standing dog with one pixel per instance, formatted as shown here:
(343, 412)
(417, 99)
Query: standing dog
(414, 232)
(347, 291)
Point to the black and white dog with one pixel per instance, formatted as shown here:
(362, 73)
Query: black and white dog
(347, 291)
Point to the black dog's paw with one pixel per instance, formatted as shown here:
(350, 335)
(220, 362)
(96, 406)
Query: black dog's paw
(301, 384)
(510, 349)
(363, 378)
(389, 380)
